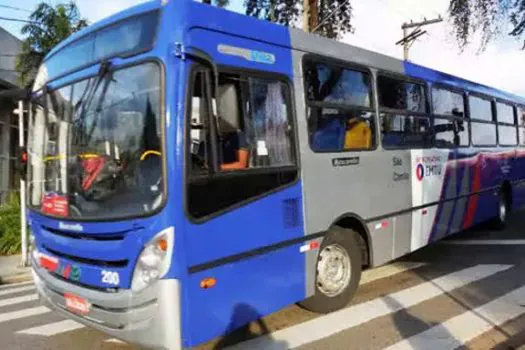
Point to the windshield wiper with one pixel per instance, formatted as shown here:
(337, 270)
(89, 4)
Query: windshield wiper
(85, 105)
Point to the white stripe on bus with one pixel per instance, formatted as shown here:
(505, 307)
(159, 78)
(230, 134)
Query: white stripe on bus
(18, 300)
(52, 329)
(15, 315)
(460, 329)
(325, 326)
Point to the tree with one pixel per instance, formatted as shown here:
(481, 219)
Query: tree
(330, 18)
(489, 18)
(47, 27)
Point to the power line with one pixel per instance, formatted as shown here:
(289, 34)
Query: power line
(15, 20)
(14, 8)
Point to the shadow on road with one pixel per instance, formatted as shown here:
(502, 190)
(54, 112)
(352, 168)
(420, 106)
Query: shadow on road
(242, 314)
(409, 325)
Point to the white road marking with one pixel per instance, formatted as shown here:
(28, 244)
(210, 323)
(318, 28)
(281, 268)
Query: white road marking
(11, 285)
(51, 329)
(16, 290)
(460, 329)
(18, 300)
(325, 326)
(485, 242)
(388, 270)
(15, 315)
(114, 341)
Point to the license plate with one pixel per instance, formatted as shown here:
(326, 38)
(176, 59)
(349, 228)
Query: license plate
(77, 304)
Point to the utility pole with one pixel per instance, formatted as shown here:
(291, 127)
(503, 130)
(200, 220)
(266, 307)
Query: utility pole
(409, 38)
(23, 220)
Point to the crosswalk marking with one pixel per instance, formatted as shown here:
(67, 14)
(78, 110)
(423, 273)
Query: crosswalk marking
(52, 329)
(388, 270)
(470, 324)
(353, 316)
(485, 242)
(8, 286)
(114, 341)
(18, 300)
(16, 290)
(9, 316)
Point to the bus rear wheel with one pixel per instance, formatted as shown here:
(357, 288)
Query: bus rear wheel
(504, 207)
(338, 271)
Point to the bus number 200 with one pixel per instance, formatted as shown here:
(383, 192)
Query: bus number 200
(110, 277)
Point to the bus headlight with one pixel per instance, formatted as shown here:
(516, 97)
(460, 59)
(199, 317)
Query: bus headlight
(154, 260)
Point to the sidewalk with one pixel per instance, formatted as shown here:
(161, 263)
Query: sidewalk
(11, 272)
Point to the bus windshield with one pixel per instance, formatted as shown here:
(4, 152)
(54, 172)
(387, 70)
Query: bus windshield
(95, 146)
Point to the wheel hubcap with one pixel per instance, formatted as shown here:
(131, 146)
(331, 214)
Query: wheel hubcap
(502, 210)
(333, 270)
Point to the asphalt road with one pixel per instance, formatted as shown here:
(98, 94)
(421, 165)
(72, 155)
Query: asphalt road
(466, 292)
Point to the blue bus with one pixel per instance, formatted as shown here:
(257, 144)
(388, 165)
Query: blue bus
(192, 170)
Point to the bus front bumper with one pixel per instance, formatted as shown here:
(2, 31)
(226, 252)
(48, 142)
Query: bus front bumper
(149, 318)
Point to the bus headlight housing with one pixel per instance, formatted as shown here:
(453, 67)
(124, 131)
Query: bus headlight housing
(154, 260)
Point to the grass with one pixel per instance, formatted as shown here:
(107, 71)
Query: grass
(10, 225)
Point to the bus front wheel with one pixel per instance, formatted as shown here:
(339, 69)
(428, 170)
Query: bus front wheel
(338, 271)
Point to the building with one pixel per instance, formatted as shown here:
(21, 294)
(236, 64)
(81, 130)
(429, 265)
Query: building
(10, 46)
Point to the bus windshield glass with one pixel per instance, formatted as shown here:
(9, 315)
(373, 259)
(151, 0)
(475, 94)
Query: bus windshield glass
(95, 146)
(127, 37)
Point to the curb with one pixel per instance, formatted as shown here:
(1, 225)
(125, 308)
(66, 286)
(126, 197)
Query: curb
(18, 278)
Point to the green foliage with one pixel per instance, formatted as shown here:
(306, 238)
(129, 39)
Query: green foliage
(10, 226)
(488, 18)
(49, 25)
(329, 18)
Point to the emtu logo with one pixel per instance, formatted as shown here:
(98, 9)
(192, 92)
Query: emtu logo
(420, 172)
(70, 227)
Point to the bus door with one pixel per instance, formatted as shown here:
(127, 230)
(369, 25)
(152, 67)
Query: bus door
(243, 200)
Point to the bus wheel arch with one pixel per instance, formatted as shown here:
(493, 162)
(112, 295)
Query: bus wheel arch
(354, 222)
(337, 271)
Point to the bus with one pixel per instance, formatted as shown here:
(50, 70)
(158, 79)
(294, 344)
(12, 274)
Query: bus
(192, 170)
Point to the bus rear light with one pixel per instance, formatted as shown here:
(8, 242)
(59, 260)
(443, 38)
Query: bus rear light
(155, 259)
(208, 283)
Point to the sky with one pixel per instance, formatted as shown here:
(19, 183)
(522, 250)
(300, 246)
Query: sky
(378, 28)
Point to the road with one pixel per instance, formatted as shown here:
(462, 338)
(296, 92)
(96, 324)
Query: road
(465, 292)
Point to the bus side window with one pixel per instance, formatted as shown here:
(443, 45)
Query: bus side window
(341, 116)
(521, 125)
(403, 113)
(252, 148)
(199, 116)
(234, 146)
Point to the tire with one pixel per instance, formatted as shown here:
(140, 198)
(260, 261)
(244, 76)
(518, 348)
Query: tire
(504, 207)
(338, 245)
